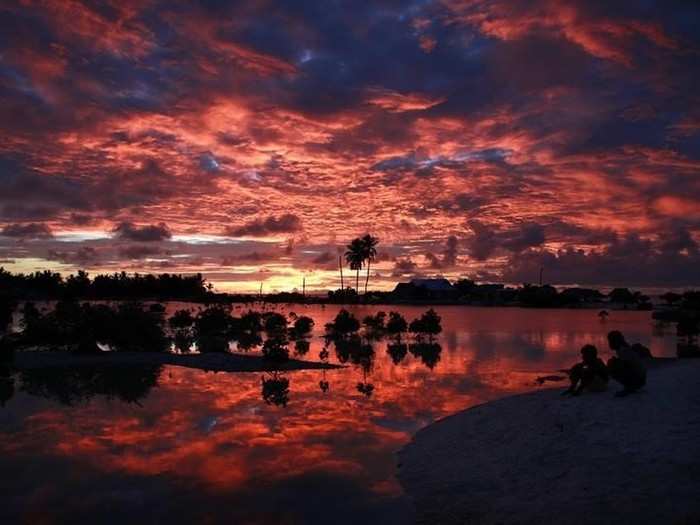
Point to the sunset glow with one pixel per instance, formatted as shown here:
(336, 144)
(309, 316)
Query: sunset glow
(251, 141)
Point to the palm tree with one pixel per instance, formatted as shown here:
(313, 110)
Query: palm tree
(355, 257)
(369, 244)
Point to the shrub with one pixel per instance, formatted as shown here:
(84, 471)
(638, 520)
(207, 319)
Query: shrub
(344, 323)
(375, 323)
(252, 322)
(214, 320)
(212, 343)
(7, 306)
(301, 347)
(274, 323)
(182, 319)
(302, 326)
(134, 329)
(275, 349)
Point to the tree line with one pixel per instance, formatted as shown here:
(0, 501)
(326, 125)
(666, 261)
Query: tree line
(52, 285)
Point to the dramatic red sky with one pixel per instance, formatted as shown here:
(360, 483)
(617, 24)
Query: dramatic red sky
(251, 140)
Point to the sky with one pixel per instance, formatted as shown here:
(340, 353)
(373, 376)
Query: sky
(252, 140)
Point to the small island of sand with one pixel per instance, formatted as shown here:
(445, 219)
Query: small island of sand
(542, 459)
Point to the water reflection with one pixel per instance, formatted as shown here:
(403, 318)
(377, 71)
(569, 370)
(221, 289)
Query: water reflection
(428, 352)
(71, 386)
(275, 389)
(289, 447)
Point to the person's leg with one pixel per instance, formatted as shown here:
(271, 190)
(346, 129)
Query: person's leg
(630, 378)
(587, 377)
(574, 377)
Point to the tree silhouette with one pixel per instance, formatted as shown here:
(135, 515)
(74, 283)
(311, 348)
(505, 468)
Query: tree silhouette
(355, 257)
(369, 244)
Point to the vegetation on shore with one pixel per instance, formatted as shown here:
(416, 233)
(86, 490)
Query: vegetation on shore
(361, 253)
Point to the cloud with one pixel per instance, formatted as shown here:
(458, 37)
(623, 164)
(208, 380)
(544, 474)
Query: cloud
(139, 251)
(27, 231)
(449, 255)
(83, 256)
(324, 258)
(403, 267)
(518, 127)
(285, 223)
(150, 233)
(628, 261)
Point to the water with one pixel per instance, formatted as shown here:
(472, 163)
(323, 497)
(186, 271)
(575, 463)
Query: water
(183, 446)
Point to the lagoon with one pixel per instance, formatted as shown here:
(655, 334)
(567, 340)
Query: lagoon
(176, 445)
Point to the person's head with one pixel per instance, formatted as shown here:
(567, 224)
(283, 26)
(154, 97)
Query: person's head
(616, 340)
(589, 353)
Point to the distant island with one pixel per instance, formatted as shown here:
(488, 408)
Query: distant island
(48, 285)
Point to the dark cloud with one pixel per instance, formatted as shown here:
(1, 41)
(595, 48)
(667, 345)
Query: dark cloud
(486, 240)
(324, 258)
(528, 236)
(27, 231)
(403, 267)
(139, 251)
(83, 256)
(449, 255)
(544, 123)
(150, 233)
(286, 223)
(250, 258)
(631, 260)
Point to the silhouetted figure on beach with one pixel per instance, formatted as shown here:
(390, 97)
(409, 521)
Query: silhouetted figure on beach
(590, 374)
(627, 366)
(617, 340)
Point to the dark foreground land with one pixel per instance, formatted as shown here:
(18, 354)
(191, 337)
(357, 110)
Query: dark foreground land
(37, 359)
(542, 459)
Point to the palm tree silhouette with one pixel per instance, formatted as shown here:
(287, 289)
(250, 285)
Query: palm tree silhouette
(369, 244)
(355, 257)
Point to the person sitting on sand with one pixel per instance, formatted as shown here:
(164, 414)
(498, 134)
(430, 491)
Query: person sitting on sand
(627, 366)
(616, 341)
(590, 374)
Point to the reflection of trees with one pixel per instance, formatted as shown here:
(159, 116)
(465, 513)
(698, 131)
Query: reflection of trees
(275, 389)
(365, 388)
(355, 350)
(70, 386)
(323, 384)
(429, 353)
(397, 351)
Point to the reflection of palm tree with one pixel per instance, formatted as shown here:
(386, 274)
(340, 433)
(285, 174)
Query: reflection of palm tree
(355, 257)
(370, 253)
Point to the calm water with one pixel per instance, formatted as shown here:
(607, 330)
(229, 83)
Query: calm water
(182, 446)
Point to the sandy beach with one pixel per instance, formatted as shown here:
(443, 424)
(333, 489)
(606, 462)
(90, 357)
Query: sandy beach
(540, 458)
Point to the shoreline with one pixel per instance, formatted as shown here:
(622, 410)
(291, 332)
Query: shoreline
(211, 362)
(538, 458)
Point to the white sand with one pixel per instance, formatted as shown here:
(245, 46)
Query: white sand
(540, 458)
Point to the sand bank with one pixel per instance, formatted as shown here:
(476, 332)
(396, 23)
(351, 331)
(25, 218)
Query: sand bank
(29, 359)
(540, 459)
